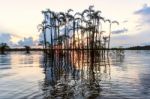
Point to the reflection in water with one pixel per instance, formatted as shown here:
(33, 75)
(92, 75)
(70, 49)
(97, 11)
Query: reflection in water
(74, 74)
(18, 75)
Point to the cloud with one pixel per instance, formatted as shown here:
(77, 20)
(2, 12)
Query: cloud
(122, 37)
(121, 40)
(120, 31)
(26, 41)
(125, 21)
(131, 40)
(6, 38)
(144, 13)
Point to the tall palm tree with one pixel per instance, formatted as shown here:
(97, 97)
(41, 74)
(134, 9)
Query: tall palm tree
(71, 24)
(50, 19)
(110, 26)
(99, 24)
(99, 41)
(96, 22)
(61, 39)
(105, 40)
(78, 16)
(78, 31)
(88, 22)
(86, 11)
(71, 21)
(55, 26)
(42, 27)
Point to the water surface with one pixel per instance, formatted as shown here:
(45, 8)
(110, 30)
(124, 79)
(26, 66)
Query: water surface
(34, 76)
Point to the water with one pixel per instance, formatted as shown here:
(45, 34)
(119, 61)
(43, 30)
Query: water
(33, 76)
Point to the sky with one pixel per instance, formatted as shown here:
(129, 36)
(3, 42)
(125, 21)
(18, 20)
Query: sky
(19, 19)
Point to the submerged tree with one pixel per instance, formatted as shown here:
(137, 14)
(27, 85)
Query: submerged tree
(110, 29)
(27, 48)
(84, 28)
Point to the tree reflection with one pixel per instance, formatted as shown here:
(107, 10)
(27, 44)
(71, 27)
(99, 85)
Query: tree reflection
(71, 74)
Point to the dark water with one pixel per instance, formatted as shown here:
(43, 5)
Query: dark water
(34, 76)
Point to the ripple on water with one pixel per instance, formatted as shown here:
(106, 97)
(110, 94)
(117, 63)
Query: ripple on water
(25, 76)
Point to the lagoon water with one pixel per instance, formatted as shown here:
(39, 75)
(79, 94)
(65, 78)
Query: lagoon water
(33, 76)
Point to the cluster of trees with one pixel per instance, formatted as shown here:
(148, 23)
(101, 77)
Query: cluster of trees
(3, 47)
(79, 31)
(147, 47)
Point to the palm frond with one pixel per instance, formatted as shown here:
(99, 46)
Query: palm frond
(102, 18)
(105, 38)
(97, 12)
(39, 29)
(102, 32)
(70, 10)
(40, 25)
(44, 22)
(70, 17)
(107, 20)
(48, 26)
(77, 19)
(43, 12)
(49, 11)
(91, 7)
(85, 11)
(115, 22)
(77, 14)
(62, 14)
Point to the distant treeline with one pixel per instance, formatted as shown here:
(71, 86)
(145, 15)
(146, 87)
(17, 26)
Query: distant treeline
(41, 49)
(23, 49)
(147, 47)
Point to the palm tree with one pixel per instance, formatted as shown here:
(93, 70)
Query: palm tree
(79, 18)
(69, 25)
(55, 25)
(86, 11)
(89, 22)
(105, 40)
(110, 26)
(99, 41)
(78, 34)
(42, 27)
(99, 24)
(61, 39)
(50, 19)
(96, 22)
(71, 19)
(78, 22)
(44, 24)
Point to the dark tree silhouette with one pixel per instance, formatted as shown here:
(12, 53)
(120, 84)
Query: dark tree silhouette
(27, 48)
(3, 48)
(83, 29)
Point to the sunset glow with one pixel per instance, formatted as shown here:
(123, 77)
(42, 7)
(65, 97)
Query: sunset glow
(22, 17)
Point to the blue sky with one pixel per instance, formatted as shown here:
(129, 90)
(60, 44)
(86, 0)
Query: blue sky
(19, 18)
